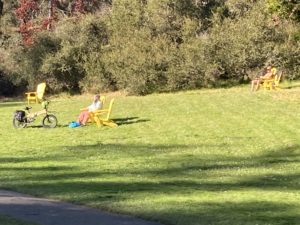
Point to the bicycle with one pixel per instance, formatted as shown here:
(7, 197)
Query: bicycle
(21, 118)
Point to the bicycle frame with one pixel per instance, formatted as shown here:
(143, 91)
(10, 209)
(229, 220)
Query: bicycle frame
(35, 114)
(30, 117)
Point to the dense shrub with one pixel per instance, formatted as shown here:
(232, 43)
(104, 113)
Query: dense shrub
(240, 43)
(158, 45)
(6, 87)
(63, 57)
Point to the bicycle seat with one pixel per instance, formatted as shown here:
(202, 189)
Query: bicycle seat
(27, 108)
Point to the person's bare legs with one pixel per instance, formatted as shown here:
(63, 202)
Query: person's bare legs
(254, 85)
(83, 117)
(257, 85)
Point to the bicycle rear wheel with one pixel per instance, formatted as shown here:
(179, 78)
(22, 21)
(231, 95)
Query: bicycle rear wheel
(19, 124)
(49, 121)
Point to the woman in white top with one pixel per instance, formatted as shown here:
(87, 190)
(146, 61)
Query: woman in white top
(84, 115)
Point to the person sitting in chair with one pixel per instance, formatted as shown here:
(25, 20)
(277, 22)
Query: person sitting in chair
(270, 73)
(84, 115)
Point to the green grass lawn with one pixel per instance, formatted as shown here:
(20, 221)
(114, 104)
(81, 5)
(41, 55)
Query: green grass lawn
(4, 220)
(224, 156)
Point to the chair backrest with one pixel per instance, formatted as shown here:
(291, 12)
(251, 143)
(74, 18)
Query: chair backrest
(278, 78)
(110, 108)
(40, 90)
(102, 100)
(274, 71)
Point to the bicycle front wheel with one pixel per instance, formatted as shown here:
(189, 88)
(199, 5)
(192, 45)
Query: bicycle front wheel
(49, 121)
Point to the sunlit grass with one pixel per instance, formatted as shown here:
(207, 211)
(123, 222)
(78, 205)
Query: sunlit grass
(224, 156)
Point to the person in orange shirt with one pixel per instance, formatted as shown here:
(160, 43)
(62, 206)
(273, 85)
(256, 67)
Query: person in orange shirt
(270, 73)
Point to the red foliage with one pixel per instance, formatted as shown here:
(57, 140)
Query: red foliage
(29, 9)
(25, 12)
(47, 22)
(81, 6)
(27, 31)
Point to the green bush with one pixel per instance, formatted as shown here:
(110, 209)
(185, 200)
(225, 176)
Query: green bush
(157, 46)
(62, 57)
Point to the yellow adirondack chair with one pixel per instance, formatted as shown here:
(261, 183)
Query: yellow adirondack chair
(102, 120)
(37, 96)
(273, 84)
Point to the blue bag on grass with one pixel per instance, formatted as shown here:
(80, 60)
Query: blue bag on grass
(74, 124)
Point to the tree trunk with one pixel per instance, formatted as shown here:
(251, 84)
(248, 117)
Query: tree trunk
(50, 14)
(1, 7)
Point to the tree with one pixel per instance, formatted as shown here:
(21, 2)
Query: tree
(145, 46)
(285, 8)
(25, 13)
(36, 15)
(1, 7)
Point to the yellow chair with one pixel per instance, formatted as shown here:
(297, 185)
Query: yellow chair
(101, 120)
(37, 96)
(272, 84)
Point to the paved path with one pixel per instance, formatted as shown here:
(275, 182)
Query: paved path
(50, 212)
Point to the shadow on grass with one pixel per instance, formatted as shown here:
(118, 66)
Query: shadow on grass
(129, 120)
(172, 177)
(291, 86)
(234, 213)
(119, 121)
(99, 147)
(171, 210)
(41, 126)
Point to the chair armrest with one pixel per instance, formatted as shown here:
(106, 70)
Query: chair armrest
(100, 111)
(29, 93)
(268, 80)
